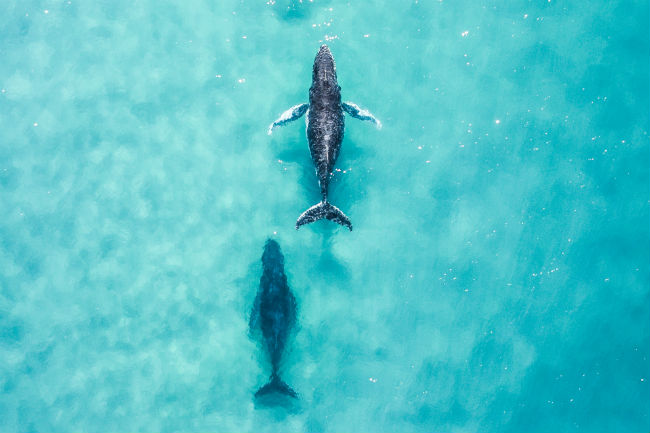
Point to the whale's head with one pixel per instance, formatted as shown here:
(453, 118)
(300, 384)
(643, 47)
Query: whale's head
(324, 69)
(272, 256)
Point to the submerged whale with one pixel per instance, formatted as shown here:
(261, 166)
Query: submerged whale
(325, 125)
(274, 314)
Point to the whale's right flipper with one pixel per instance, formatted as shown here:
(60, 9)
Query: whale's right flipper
(290, 115)
(276, 385)
(359, 113)
(323, 210)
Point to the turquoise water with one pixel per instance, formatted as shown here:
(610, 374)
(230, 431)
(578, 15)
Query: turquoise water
(497, 278)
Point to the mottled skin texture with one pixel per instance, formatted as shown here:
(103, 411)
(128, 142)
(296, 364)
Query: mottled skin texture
(326, 123)
(274, 311)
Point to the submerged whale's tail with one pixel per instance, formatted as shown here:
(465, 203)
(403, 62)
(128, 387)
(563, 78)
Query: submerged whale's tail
(276, 385)
(323, 210)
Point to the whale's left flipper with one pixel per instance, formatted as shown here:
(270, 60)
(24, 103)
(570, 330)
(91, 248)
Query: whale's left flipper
(359, 113)
(254, 320)
(290, 115)
(323, 210)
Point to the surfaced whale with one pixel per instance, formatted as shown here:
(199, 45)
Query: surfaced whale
(274, 314)
(325, 125)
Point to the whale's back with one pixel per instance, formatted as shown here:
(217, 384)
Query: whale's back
(274, 311)
(326, 122)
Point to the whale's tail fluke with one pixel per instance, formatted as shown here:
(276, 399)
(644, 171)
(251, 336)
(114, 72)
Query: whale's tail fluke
(276, 385)
(323, 210)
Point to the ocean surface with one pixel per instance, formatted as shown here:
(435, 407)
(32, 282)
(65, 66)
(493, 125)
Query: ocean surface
(498, 275)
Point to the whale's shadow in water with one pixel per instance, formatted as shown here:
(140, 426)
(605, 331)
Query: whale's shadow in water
(328, 264)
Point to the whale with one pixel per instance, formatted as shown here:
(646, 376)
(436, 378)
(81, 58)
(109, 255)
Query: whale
(273, 316)
(324, 117)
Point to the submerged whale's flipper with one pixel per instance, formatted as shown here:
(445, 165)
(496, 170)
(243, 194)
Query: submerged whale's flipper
(323, 210)
(276, 385)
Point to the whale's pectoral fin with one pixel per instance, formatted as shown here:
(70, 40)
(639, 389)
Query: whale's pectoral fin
(255, 314)
(359, 113)
(290, 115)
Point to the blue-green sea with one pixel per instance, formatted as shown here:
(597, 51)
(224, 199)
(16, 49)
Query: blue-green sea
(498, 275)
